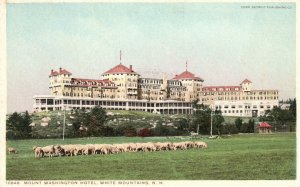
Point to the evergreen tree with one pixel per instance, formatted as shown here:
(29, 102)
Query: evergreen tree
(25, 128)
(201, 117)
(77, 122)
(238, 123)
(17, 126)
(218, 120)
(244, 128)
(251, 125)
(95, 121)
(293, 107)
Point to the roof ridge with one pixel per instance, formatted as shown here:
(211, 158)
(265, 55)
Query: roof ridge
(120, 68)
(187, 75)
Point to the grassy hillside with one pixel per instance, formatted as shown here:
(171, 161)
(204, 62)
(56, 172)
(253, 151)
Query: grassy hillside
(243, 157)
(138, 119)
(126, 114)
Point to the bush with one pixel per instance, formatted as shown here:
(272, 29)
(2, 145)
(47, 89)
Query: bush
(145, 132)
(129, 131)
(159, 130)
(107, 131)
(244, 128)
(229, 129)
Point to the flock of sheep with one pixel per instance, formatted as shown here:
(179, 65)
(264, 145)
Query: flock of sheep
(78, 149)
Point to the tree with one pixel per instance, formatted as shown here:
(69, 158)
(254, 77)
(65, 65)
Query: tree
(229, 129)
(12, 124)
(160, 130)
(279, 117)
(238, 123)
(251, 125)
(218, 120)
(201, 117)
(25, 128)
(107, 131)
(95, 120)
(182, 125)
(244, 128)
(195, 104)
(18, 127)
(293, 107)
(78, 122)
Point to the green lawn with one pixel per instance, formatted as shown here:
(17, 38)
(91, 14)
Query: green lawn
(247, 156)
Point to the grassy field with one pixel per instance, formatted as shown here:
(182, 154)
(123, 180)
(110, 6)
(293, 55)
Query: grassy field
(246, 157)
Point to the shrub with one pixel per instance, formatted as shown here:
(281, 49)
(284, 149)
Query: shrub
(129, 131)
(229, 129)
(145, 132)
(160, 130)
(107, 131)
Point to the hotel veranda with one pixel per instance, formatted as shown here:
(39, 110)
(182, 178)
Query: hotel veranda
(121, 88)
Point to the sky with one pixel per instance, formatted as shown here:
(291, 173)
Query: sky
(222, 43)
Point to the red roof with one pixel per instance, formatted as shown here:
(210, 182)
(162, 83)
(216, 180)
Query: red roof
(60, 72)
(221, 88)
(92, 82)
(53, 73)
(246, 81)
(264, 125)
(64, 72)
(187, 75)
(120, 69)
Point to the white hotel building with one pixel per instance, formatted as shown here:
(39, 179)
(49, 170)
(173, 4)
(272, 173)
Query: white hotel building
(121, 88)
(240, 100)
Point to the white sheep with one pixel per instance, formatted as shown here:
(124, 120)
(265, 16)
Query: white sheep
(88, 149)
(38, 152)
(12, 150)
(49, 150)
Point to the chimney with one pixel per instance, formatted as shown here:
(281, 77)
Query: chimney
(130, 67)
(51, 71)
(60, 69)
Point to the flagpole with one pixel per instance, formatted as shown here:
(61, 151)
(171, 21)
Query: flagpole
(64, 123)
(186, 66)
